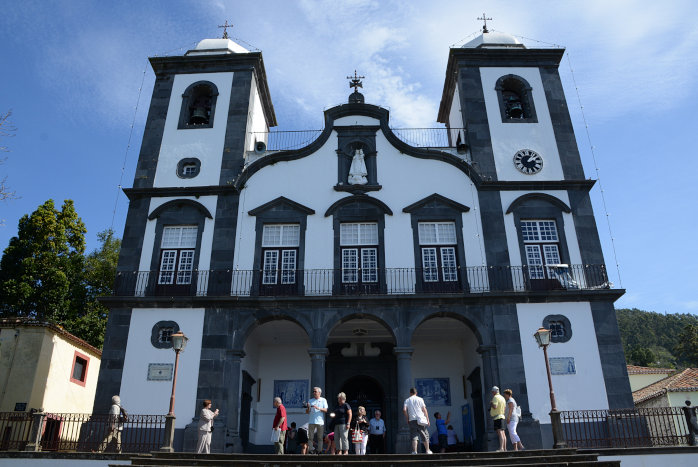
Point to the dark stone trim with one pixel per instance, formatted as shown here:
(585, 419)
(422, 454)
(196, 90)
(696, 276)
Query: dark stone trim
(581, 185)
(357, 189)
(113, 354)
(366, 110)
(358, 199)
(138, 193)
(179, 203)
(567, 149)
(612, 356)
(155, 334)
(493, 230)
(527, 100)
(134, 232)
(188, 160)
(183, 124)
(436, 198)
(224, 233)
(540, 208)
(485, 57)
(538, 196)
(252, 61)
(566, 323)
(279, 201)
(585, 228)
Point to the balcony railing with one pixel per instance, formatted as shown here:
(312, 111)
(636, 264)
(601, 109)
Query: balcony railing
(625, 428)
(80, 432)
(387, 281)
(416, 137)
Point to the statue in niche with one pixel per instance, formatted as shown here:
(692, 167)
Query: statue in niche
(357, 171)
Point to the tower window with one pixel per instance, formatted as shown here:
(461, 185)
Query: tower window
(198, 105)
(188, 168)
(161, 334)
(515, 100)
(560, 328)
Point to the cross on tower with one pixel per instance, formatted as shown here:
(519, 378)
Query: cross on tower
(355, 81)
(485, 18)
(225, 29)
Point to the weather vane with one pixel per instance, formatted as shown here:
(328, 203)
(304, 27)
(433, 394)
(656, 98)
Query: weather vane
(485, 18)
(355, 81)
(225, 29)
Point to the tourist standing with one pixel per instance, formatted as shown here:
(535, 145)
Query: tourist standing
(376, 433)
(205, 427)
(342, 422)
(497, 406)
(442, 431)
(418, 420)
(512, 414)
(280, 425)
(316, 408)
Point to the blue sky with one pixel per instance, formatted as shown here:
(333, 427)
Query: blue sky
(71, 72)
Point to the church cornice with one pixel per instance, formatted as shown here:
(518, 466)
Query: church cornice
(581, 185)
(136, 193)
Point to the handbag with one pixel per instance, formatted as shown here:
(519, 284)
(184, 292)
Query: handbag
(275, 435)
(356, 435)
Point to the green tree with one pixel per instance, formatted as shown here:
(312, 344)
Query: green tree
(90, 321)
(41, 271)
(641, 356)
(687, 348)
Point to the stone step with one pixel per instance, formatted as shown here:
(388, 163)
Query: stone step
(568, 457)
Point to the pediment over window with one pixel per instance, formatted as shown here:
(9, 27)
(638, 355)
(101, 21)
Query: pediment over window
(281, 204)
(436, 200)
(179, 204)
(359, 200)
(540, 197)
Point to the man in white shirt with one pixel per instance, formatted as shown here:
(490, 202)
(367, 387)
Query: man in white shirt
(316, 408)
(376, 434)
(418, 420)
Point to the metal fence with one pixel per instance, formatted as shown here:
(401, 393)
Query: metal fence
(625, 428)
(80, 432)
(384, 281)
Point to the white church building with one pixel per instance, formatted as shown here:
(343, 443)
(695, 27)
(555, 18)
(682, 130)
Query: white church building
(361, 258)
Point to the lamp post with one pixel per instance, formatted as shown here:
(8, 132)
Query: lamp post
(542, 337)
(179, 341)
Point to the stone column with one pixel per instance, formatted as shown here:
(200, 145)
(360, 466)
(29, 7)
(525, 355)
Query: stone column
(404, 383)
(317, 368)
(490, 376)
(233, 443)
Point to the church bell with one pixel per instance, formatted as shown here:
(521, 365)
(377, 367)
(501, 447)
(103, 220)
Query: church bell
(199, 116)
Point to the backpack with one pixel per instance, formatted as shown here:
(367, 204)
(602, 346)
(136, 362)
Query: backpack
(123, 416)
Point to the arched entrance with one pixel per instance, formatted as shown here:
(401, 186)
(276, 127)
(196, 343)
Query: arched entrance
(361, 364)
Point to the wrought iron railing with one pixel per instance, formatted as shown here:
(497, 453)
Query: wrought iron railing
(81, 432)
(416, 137)
(387, 281)
(15, 430)
(625, 428)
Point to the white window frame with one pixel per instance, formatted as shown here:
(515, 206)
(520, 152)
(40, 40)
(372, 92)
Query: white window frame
(363, 236)
(281, 249)
(542, 245)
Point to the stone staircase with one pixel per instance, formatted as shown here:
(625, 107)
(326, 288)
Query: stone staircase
(553, 458)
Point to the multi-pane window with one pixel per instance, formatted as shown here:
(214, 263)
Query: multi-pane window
(542, 246)
(164, 334)
(358, 242)
(437, 241)
(280, 253)
(557, 329)
(177, 254)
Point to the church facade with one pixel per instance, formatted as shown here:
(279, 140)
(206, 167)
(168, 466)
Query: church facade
(361, 258)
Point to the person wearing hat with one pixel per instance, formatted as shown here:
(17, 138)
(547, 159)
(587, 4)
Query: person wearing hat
(497, 408)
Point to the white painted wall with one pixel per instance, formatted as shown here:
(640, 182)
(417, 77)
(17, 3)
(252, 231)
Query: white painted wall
(256, 121)
(687, 459)
(583, 390)
(206, 144)
(405, 180)
(455, 116)
(511, 229)
(138, 395)
(356, 120)
(507, 138)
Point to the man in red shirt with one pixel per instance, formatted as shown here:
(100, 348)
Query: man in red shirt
(280, 424)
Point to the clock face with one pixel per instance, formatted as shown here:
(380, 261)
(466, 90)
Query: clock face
(528, 162)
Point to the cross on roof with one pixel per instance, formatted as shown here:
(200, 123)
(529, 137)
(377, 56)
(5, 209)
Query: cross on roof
(355, 81)
(485, 18)
(225, 29)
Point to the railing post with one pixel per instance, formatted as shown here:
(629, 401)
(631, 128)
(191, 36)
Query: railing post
(169, 433)
(558, 435)
(37, 425)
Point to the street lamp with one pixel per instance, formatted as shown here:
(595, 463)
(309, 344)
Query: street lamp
(542, 337)
(179, 341)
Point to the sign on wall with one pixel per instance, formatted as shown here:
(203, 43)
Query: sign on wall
(562, 366)
(293, 392)
(434, 391)
(160, 371)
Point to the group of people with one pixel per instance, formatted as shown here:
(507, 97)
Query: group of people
(505, 412)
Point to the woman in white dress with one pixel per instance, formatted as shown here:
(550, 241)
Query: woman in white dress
(512, 415)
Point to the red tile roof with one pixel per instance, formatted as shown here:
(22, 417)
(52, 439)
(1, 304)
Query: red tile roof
(645, 370)
(685, 381)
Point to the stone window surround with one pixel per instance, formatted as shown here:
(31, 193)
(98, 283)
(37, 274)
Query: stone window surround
(565, 323)
(155, 334)
(187, 161)
(82, 381)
